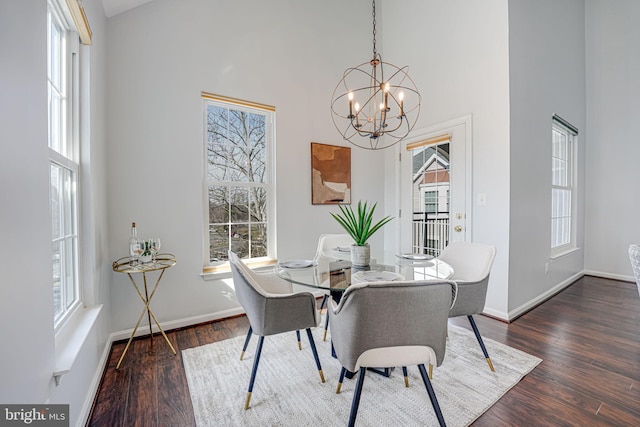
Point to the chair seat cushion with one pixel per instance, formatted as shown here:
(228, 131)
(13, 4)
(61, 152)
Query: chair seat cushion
(387, 357)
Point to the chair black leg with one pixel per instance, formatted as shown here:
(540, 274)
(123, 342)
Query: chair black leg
(479, 338)
(326, 326)
(342, 372)
(254, 371)
(246, 342)
(432, 394)
(356, 397)
(299, 341)
(315, 353)
(324, 301)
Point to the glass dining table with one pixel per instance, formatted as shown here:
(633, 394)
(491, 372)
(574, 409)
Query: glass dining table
(335, 273)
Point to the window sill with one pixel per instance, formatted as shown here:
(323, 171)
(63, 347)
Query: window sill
(563, 253)
(70, 339)
(224, 271)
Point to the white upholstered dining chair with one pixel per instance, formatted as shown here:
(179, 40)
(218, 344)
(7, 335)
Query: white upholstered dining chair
(471, 264)
(327, 245)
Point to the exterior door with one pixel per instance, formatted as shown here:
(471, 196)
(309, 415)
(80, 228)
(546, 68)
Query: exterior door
(434, 190)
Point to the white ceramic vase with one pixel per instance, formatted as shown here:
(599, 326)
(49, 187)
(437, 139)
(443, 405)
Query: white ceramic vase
(360, 255)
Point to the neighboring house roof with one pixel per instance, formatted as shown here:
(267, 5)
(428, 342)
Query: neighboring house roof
(422, 174)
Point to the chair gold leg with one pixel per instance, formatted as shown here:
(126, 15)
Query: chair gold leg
(241, 355)
(299, 345)
(406, 381)
(324, 337)
(490, 364)
(338, 388)
(321, 375)
(430, 371)
(247, 400)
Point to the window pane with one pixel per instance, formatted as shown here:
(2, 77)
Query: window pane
(56, 204)
(57, 285)
(218, 242)
(258, 211)
(258, 240)
(218, 204)
(239, 204)
(55, 56)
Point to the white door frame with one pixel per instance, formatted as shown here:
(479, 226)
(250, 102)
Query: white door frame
(428, 132)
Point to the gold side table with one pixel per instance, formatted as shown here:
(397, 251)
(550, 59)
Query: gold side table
(126, 265)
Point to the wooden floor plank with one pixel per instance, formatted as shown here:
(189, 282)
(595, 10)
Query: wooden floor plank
(588, 336)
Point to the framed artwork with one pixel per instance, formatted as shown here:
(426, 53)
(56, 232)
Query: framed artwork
(330, 174)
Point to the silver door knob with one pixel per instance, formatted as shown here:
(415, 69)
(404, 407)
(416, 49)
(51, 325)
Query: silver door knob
(457, 228)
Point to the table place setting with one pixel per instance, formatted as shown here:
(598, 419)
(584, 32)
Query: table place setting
(415, 257)
(376, 276)
(297, 263)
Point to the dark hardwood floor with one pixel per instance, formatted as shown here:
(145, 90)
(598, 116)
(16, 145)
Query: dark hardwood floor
(588, 337)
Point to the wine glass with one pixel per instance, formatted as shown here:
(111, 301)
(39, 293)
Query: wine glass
(154, 246)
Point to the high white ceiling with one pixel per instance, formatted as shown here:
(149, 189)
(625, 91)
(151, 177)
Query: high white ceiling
(114, 7)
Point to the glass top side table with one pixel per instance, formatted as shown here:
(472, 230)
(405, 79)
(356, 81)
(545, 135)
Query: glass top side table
(127, 266)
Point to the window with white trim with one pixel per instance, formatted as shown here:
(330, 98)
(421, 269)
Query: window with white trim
(563, 212)
(62, 79)
(239, 144)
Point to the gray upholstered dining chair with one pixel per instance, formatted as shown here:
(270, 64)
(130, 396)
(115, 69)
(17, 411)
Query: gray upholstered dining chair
(634, 257)
(327, 244)
(471, 264)
(272, 313)
(387, 324)
(270, 282)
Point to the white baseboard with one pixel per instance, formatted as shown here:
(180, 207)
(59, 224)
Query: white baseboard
(174, 324)
(519, 311)
(610, 276)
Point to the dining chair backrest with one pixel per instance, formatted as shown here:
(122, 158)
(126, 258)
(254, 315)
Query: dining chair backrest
(329, 242)
(373, 315)
(634, 257)
(471, 262)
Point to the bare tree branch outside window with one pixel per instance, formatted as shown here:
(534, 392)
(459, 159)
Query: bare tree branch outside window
(237, 176)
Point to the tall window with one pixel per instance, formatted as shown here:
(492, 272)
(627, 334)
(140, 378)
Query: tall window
(564, 137)
(63, 163)
(239, 141)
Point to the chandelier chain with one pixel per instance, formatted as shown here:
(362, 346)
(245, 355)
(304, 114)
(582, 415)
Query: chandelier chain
(374, 30)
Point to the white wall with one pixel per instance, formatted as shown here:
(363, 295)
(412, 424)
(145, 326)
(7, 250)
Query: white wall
(161, 56)
(458, 56)
(613, 108)
(26, 303)
(546, 60)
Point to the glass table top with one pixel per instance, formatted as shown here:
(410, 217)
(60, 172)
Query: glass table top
(334, 273)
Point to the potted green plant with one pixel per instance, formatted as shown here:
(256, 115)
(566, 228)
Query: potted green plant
(360, 226)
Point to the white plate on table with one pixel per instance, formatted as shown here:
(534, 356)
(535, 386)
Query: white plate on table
(415, 257)
(376, 276)
(297, 263)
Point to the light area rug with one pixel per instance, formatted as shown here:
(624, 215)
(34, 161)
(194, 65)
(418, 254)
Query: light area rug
(288, 391)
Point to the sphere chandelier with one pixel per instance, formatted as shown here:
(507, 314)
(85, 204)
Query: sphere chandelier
(376, 104)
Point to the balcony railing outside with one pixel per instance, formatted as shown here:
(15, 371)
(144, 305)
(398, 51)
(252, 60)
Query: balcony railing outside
(430, 235)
